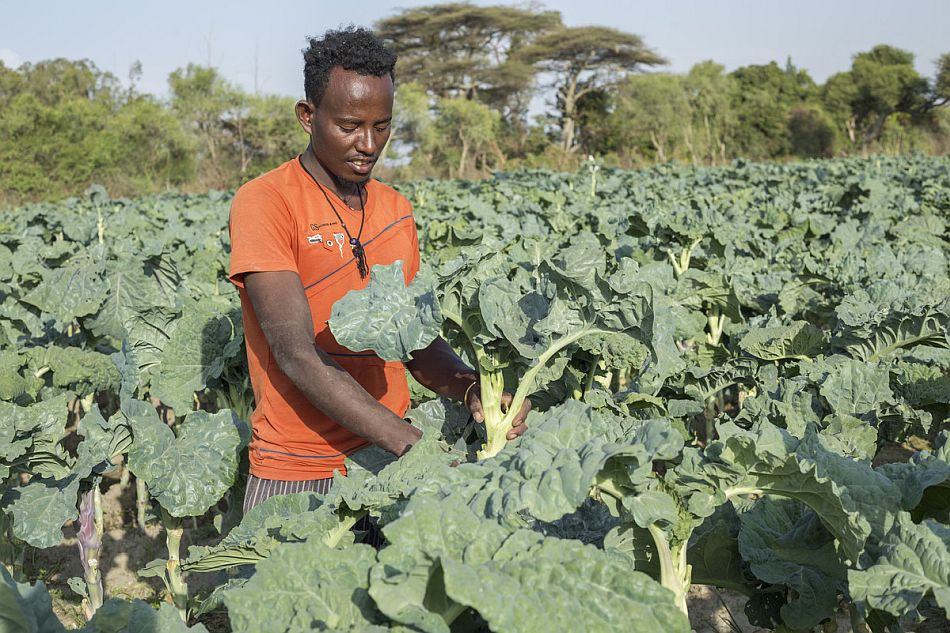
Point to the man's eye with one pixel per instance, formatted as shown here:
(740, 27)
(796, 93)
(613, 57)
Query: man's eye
(382, 128)
(348, 130)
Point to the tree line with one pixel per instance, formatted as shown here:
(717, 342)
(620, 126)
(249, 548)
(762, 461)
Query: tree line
(466, 79)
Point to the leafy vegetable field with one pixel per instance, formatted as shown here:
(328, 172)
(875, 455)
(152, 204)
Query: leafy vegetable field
(741, 378)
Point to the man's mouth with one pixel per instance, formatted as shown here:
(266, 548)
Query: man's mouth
(361, 165)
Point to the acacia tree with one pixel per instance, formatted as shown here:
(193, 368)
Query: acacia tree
(583, 59)
(462, 50)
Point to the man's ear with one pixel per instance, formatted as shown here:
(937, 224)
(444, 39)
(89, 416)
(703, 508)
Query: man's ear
(305, 111)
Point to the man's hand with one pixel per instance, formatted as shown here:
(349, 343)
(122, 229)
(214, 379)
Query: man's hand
(439, 369)
(474, 404)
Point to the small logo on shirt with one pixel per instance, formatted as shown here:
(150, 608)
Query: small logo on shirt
(317, 227)
(315, 239)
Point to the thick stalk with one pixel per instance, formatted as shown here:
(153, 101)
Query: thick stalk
(173, 580)
(672, 573)
(524, 388)
(491, 387)
(681, 264)
(141, 501)
(716, 322)
(90, 545)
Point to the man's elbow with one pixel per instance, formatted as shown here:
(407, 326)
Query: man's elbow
(292, 358)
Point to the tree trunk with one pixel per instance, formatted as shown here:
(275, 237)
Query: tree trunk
(874, 132)
(463, 158)
(709, 140)
(660, 154)
(688, 140)
(570, 107)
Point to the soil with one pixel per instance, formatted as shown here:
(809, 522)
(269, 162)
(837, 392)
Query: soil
(126, 548)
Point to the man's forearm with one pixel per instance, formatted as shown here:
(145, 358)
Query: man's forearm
(334, 392)
(439, 369)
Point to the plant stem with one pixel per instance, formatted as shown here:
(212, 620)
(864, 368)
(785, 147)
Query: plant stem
(11, 549)
(141, 501)
(673, 574)
(173, 580)
(589, 379)
(90, 545)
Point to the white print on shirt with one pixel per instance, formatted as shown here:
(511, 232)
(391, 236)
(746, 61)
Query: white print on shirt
(339, 237)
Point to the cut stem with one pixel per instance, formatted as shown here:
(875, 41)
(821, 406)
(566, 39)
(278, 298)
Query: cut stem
(90, 545)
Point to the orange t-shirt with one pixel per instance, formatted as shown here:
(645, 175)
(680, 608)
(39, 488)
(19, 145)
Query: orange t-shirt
(281, 221)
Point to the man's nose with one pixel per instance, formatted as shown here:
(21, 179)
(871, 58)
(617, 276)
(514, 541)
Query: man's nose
(366, 143)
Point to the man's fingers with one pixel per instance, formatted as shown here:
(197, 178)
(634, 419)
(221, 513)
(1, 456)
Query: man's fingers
(476, 409)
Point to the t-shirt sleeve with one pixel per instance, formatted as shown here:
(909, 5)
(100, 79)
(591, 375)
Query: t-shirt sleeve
(262, 233)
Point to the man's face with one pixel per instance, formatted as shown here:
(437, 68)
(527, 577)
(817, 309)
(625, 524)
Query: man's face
(350, 127)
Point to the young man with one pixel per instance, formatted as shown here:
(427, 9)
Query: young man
(302, 236)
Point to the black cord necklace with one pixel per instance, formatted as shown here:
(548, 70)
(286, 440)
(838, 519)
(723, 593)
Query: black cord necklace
(355, 245)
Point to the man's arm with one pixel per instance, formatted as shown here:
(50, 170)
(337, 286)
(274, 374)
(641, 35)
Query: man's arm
(281, 306)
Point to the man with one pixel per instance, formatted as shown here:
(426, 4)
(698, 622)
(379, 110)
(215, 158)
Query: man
(302, 236)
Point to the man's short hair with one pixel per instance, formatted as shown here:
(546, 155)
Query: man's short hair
(352, 48)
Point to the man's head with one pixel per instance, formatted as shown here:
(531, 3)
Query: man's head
(348, 79)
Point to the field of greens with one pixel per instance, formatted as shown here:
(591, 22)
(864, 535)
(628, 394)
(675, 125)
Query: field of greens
(741, 378)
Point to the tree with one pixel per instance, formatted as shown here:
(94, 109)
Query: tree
(811, 132)
(69, 125)
(238, 135)
(708, 88)
(464, 139)
(882, 83)
(762, 98)
(462, 50)
(649, 116)
(583, 59)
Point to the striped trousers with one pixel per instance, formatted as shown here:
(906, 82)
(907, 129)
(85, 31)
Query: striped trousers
(260, 489)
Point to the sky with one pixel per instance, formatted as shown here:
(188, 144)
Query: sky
(257, 44)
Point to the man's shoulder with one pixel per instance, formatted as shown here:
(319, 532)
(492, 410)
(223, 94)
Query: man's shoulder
(278, 179)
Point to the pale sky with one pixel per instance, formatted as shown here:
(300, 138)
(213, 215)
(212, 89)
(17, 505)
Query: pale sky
(239, 36)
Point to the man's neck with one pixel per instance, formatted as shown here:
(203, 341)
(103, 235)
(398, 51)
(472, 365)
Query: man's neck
(342, 188)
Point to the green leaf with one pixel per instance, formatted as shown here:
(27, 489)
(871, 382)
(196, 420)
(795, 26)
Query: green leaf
(26, 608)
(785, 544)
(856, 388)
(914, 562)
(799, 340)
(102, 441)
(41, 508)
(83, 371)
(279, 519)
(304, 587)
(388, 317)
(444, 557)
(200, 344)
(190, 473)
(73, 290)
